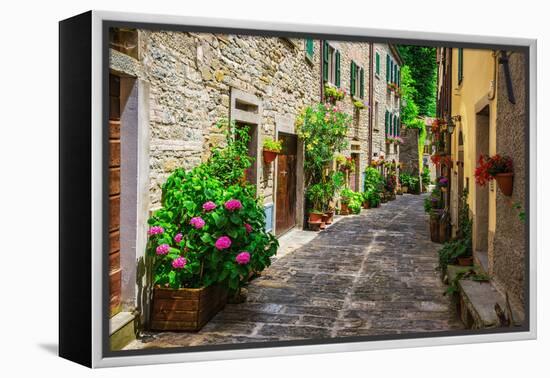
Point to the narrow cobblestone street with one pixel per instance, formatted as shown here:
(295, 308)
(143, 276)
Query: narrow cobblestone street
(369, 274)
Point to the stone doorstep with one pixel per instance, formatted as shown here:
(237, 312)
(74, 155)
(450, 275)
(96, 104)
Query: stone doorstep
(121, 330)
(480, 299)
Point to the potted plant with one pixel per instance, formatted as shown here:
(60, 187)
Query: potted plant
(359, 104)
(315, 194)
(333, 93)
(405, 180)
(205, 240)
(271, 149)
(496, 167)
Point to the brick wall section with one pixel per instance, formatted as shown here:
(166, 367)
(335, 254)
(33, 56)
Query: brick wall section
(510, 232)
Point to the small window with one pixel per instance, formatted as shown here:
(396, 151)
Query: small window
(309, 49)
(331, 64)
(460, 65)
(357, 80)
(377, 64)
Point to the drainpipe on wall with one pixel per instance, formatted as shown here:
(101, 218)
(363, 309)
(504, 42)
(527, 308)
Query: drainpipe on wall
(371, 103)
(493, 93)
(321, 49)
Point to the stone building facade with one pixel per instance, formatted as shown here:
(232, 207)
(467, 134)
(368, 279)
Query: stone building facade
(386, 102)
(355, 56)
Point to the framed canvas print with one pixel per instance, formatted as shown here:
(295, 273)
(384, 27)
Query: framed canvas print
(232, 189)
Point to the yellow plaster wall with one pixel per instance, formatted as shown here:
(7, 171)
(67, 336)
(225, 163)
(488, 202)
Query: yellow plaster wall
(467, 99)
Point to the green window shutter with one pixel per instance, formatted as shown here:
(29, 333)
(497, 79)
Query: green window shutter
(391, 125)
(377, 63)
(352, 78)
(309, 48)
(362, 81)
(388, 68)
(398, 126)
(460, 65)
(395, 73)
(337, 69)
(325, 60)
(387, 123)
(391, 71)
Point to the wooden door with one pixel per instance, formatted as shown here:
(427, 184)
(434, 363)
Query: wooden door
(115, 271)
(354, 175)
(286, 186)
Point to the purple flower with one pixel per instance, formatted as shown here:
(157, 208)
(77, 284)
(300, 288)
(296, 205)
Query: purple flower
(233, 205)
(197, 222)
(248, 228)
(163, 249)
(178, 237)
(243, 258)
(179, 263)
(223, 242)
(155, 230)
(209, 206)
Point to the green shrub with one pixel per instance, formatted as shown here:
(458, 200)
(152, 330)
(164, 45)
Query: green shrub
(354, 200)
(211, 227)
(272, 145)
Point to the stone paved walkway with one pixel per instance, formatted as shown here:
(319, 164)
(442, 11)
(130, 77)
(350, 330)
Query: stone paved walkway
(368, 274)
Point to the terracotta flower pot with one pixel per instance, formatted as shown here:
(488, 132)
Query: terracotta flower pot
(344, 209)
(314, 226)
(366, 205)
(505, 182)
(330, 216)
(270, 156)
(466, 261)
(324, 218)
(315, 217)
(405, 189)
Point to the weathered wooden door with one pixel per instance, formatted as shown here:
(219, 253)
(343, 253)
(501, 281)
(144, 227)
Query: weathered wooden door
(286, 186)
(115, 271)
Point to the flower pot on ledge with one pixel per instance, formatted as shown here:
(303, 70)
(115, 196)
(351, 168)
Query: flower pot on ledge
(270, 156)
(505, 182)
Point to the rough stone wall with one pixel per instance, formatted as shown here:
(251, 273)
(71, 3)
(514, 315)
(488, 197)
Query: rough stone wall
(408, 151)
(387, 100)
(510, 232)
(191, 76)
(358, 134)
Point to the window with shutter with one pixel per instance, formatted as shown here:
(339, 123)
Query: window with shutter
(377, 64)
(460, 65)
(391, 125)
(398, 77)
(388, 68)
(395, 73)
(325, 60)
(309, 49)
(362, 83)
(337, 69)
(391, 71)
(352, 78)
(387, 123)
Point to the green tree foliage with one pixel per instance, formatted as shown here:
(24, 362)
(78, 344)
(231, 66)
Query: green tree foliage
(423, 68)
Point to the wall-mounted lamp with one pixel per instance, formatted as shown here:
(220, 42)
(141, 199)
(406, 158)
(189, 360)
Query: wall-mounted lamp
(451, 123)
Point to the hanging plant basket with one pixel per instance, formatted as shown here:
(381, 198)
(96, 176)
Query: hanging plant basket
(270, 156)
(505, 182)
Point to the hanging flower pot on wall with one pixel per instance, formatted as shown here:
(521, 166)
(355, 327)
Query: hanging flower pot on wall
(270, 156)
(271, 149)
(505, 182)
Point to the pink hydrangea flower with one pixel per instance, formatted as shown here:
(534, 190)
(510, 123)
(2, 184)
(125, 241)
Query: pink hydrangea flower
(179, 263)
(178, 237)
(209, 206)
(223, 242)
(163, 249)
(243, 258)
(233, 204)
(248, 228)
(155, 230)
(197, 222)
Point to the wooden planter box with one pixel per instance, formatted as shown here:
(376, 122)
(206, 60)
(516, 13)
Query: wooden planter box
(185, 309)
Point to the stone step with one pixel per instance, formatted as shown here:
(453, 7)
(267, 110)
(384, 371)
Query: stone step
(478, 299)
(122, 330)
